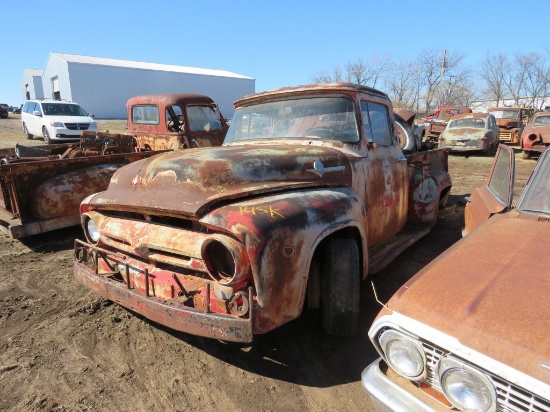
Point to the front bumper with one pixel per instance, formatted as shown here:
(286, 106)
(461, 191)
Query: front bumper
(463, 148)
(386, 395)
(172, 313)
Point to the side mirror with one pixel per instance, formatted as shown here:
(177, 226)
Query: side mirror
(36, 113)
(92, 116)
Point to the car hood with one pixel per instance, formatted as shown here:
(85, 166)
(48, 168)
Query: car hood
(70, 119)
(191, 181)
(491, 292)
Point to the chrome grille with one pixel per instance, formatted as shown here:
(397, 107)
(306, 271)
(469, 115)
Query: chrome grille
(77, 126)
(510, 398)
(505, 135)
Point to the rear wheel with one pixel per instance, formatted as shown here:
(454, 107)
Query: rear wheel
(46, 135)
(340, 288)
(28, 136)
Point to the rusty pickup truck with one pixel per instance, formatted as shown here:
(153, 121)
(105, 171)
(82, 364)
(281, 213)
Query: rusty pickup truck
(308, 194)
(41, 187)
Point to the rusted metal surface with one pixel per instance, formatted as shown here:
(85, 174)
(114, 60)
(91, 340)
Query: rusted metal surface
(511, 121)
(536, 136)
(479, 305)
(209, 225)
(41, 194)
(179, 125)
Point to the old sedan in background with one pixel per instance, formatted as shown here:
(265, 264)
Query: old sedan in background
(470, 132)
(536, 136)
(470, 332)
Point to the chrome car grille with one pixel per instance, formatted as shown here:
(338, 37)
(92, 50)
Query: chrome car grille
(505, 135)
(510, 398)
(77, 126)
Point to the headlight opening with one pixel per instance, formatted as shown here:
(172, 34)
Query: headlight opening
(404, 354)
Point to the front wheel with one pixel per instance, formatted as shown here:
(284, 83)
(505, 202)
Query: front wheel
(340, 288)
(46, 135)
(28, 136)
(526, 154)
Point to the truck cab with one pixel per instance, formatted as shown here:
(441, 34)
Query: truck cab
(175, 121)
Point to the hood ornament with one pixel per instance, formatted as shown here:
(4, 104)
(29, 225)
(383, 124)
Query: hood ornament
(320, 169)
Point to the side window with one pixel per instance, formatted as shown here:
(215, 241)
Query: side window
(145, 114)
(174, 119)
(499, 181)
(376, 116)
(26, 107)
(36, 107)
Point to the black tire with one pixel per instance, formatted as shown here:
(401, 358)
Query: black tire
(526, 154)
(405, 133)
(340, 288)
(46, 135)
(28, 136)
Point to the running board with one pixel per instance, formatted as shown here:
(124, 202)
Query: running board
(384, 253)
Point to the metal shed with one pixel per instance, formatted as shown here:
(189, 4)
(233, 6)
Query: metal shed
(102, 85)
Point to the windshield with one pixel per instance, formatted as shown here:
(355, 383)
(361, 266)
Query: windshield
(330, 118)
(63, 109)
(542, 121)
(468, 122)
(203, 118)
(505, 114)
(537, 195)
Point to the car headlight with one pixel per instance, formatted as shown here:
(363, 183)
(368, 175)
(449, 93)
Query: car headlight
(93, 125)
(226, 259)
(403, 354)
(465, 387)
(57, 124)
(92, 232)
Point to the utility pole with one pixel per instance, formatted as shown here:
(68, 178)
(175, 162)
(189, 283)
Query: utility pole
(443, 64)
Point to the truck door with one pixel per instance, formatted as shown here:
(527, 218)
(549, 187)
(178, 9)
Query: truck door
(496, 195)
(386, 181)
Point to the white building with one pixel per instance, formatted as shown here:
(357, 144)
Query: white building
(102, 86)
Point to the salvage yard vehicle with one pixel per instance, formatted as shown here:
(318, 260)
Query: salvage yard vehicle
(469, 332)
(175, 121)
(4, 111)
(41, 187)
(536, 136)
(511, 121)
(309, 192)
(439, 123)
(470, 132)
(55, 120)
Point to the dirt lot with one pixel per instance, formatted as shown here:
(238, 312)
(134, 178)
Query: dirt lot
(65, 349)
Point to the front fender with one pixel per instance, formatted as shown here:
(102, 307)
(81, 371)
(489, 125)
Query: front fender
(280, 233)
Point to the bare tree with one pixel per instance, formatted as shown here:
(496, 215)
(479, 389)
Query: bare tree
(325, 77)
(399, 84)
(535, 86)
(493, 74)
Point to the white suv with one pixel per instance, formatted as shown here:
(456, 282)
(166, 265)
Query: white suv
(55, 120)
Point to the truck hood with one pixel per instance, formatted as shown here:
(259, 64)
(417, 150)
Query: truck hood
(490, 292)
(190, 182)
(509, 123)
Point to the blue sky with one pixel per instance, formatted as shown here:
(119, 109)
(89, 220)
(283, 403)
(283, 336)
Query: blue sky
(279, 43)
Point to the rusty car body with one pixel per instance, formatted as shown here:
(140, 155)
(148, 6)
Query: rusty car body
(309, 192)
(439, 123)
(536, 135)
(511, 121)
(41, 187)
(175, 121)
(469, 332)
(470, 132)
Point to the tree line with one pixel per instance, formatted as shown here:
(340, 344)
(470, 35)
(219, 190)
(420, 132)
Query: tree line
(435, 78)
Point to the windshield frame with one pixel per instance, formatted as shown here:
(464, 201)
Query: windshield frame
(537, 190)
(279, 122)
(46, 108)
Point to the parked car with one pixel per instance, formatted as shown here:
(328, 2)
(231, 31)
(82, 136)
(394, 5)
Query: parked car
(470, 331)
(55, 120)
(471, 132)
(536, 136)
(511, 121)
(16, 110)
(438, 123)
(4, 110)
